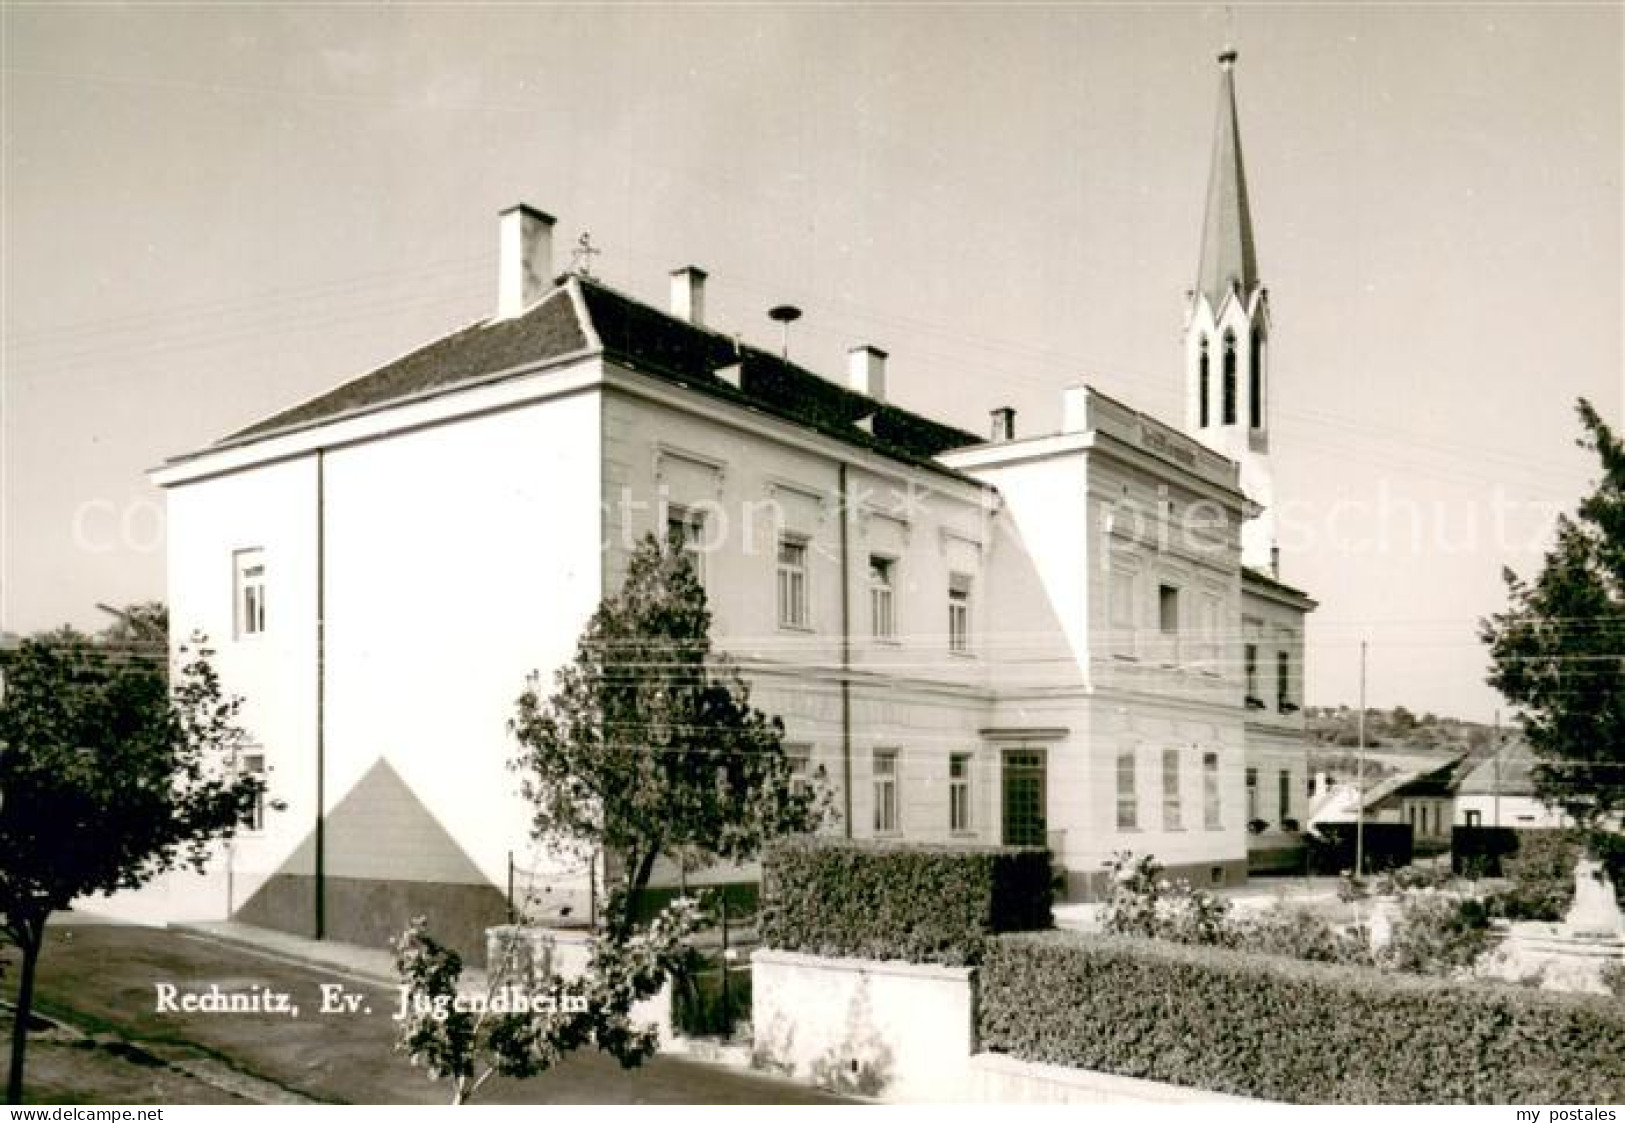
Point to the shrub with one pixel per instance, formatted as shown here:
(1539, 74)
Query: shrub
(1141, 901)
(926, 904)
(1542, 872)
(1298, 933)
(1230, 1021)
(1437, 934)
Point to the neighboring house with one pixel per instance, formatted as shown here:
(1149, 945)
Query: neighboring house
(1499, 792)
(1023, 640)
(1422, 798)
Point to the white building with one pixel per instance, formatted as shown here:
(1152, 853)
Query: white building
(1067, 639)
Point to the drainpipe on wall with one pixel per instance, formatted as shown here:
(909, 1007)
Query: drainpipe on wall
(321, 696)
(846, 661)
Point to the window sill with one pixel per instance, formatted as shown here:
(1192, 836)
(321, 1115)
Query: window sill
(970, 835)
(890, 835)
(962, 654)
(885, 641)
(805, 629)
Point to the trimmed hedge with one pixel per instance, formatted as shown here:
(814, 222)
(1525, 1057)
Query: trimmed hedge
(1384, 846)
(1278, 1029)
(925, 904)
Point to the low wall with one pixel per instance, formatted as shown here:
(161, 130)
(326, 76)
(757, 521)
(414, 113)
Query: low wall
(996, 1078)
(891, 1030)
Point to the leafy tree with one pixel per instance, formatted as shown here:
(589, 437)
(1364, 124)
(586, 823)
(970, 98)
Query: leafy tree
(649, 745)
(1558, 652)
(526, 1022)
(109, 777)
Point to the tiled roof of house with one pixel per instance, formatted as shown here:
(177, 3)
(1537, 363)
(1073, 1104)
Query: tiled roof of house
(639, 337)
(1506, 772)
(1437, 782)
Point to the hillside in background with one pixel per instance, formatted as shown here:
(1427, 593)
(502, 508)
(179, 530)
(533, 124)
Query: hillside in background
(1396, 740)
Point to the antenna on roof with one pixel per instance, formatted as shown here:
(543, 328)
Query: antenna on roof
(581, 257)
(785, 314)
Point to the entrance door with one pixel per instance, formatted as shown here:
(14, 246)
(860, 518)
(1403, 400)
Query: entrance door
(1023, 797)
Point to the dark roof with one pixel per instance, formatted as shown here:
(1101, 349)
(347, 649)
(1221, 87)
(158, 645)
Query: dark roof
(644, 339)
(1438, 782)
(1259, 577)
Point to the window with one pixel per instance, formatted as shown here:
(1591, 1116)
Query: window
(1284, 792)
(959, 792)
(800, 759)
(1201, 383)
(1168, 621)
(1249, 663)
(1128, 804)
(1283, 681)
(1475, 818)
(885, 791)
(1025, 798)
(959, 613)
(1170, 790)
(685, 531)
(1229, 378)
(253, 764)
(1255, 382)
(1210, 792)
(249, 576)
(1252, 795)
(882, 610)
(792, 582)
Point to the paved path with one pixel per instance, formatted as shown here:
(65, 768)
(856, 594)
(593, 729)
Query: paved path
(106, 977)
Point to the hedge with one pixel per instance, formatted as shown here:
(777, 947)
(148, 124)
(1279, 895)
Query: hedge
(1279, 1029)
(925, 904)
(1382, 846)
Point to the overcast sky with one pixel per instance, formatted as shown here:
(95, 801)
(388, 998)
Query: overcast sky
(212, 213)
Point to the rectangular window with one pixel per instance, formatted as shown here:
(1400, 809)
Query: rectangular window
(253, 764)
(959, 792)
(1170, 790)
(1284, 793)
(1252, 795)
(885, 791)
(792, 582)
(882, 597)
(800, 759)
(1211, 818)
(249, 578)
(1283, 681)
(685, 531)
(1168, 610)
(1128, 803)
(1249, 662)
(959, 613)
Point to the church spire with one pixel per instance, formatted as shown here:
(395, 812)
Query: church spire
(1228, 259)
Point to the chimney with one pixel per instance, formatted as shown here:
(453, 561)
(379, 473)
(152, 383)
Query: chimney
(1004, 424)
(866, 371)
(688, 294)
(525, 259)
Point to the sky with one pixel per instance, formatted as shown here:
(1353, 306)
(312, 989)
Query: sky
(209, 213)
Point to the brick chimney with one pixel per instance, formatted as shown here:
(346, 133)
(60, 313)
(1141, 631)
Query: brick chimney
(866, 371)
(688, 294)
(525, 259)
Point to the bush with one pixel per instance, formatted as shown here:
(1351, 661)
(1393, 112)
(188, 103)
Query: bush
(1234, 1022)
(1437, 934)
(1298, 933)
(1542, 871)
(889, 901)
(1141, 901)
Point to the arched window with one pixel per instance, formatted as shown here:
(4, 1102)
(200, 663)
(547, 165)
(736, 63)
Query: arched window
(1201, 384)
(1229, 378)
(1255, 382)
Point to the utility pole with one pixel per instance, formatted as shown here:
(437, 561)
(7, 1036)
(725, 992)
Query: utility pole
(1495, 748)
(1359, 784)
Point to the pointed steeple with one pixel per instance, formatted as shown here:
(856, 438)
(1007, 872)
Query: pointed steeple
(1228, 259)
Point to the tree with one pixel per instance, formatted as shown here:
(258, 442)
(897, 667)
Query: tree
(109, 777)
(526, 1022)
(649, 745)
(1558, 652)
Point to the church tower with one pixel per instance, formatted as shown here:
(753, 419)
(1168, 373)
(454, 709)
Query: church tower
(1227, 332)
